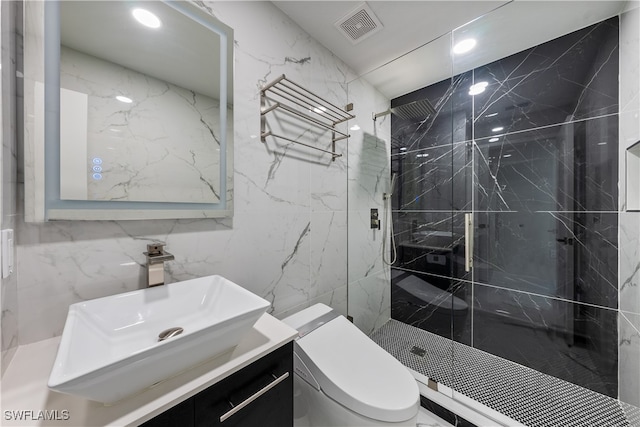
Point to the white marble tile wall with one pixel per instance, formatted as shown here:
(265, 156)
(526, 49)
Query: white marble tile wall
(629, 222)
(126, 138)
(629, 358)
(8, 168)
(287, 240)
(369, 163)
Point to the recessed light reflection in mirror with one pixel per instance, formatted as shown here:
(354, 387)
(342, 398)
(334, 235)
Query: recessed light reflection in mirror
(478, 88)
(146, 18)
(494, 139)
(497, 129)
(464, 46)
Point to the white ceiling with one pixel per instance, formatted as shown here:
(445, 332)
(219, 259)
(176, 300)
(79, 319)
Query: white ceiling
(180, 52)
(413, 48)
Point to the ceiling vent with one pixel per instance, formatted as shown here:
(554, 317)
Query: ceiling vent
(359, 24)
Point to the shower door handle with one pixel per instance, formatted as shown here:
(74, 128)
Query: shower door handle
(468, 242)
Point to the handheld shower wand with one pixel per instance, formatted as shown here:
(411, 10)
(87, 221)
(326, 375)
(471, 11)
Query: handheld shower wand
(388, 225)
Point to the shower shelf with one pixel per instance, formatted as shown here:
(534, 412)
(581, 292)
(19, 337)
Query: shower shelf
(286, 94)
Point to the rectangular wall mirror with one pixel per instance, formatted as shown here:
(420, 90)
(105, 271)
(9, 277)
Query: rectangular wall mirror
(129, 111)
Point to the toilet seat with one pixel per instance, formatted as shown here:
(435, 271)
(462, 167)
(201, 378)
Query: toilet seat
(390, 394)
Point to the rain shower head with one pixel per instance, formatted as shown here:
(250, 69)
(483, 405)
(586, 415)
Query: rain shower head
(414, 110)
(420, 109)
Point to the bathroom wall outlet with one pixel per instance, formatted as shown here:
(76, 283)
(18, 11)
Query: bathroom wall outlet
(7, 253)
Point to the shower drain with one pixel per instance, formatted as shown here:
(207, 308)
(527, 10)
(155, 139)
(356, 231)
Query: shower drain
(418, 351)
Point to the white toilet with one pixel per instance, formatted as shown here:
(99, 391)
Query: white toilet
(344, 379)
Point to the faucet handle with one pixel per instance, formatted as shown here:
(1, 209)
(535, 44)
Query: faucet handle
(155, 249)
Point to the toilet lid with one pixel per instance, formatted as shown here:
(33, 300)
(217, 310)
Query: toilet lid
(355, 372)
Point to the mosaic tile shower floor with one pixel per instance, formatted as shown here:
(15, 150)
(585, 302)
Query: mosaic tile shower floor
(523, 394)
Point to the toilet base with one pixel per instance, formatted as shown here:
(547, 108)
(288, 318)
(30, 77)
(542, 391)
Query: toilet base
(312, 408)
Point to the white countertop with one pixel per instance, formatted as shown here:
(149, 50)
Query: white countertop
(24, 384)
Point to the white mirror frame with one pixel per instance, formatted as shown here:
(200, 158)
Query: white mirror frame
(42, 124)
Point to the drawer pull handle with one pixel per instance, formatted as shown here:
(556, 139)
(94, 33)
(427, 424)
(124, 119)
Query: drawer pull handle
(254, 396)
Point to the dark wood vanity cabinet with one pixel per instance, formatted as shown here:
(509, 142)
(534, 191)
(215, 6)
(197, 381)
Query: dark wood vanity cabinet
(260, 394)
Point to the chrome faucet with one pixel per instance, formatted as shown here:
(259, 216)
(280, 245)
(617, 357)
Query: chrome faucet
(156, 256)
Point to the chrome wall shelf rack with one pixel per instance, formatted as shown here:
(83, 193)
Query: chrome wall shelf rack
(289, 96)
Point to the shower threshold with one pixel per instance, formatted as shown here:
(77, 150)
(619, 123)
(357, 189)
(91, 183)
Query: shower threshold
(523, 394)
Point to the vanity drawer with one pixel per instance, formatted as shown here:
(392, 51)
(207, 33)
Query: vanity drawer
(180, 415)
(259, 395)
(262, 394)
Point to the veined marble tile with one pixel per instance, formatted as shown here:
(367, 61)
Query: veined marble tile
(33, 74)
(336, 299)
(434, 179)
(369, 148)
(365, 245)
(629, 353)
(629, 93)
(370, 301)
(450, 123)
(328, 241)
(630, 262)
(369, 178)
(8, 157)
(537, 253)
(538, 170)
(630, 60)
(571, 341)
(571, 77)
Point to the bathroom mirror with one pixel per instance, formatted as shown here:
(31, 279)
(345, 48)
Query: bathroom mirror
(128, 111)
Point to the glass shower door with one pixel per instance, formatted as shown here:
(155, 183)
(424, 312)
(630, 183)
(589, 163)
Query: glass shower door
(544, 199)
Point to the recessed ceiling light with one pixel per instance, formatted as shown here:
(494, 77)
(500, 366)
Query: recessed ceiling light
(464, 46)
(478, 88)
(498, 129)
(124, 99)
(491, 115)
(494, 139)
(146, 18)
(506, 156)
(403, 148)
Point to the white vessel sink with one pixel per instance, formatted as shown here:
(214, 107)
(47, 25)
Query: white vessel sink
(110, 349)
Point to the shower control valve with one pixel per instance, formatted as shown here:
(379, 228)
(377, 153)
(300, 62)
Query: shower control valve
(375, 219)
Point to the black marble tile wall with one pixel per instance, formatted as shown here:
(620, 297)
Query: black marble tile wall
(567, 167)
(570, 78)
(571, 256)
(568, 340)
(535, 159)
